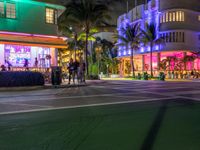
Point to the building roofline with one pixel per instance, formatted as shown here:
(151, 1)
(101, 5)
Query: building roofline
(49, 3)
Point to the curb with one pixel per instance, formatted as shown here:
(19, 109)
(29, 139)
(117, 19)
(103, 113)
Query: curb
(31, 88)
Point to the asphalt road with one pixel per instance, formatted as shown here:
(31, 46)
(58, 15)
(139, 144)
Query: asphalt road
(97, 93)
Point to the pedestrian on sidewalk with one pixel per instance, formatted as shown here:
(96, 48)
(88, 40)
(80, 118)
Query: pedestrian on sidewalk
(76, 69)
(70, 68)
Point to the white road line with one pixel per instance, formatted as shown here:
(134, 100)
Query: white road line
(20, 104)
(63, 97)
(82, 106)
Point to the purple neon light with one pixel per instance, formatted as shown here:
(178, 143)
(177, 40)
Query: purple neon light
(26, 34)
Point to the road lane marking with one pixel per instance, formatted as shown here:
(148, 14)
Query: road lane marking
(82, 106)
(22, 104)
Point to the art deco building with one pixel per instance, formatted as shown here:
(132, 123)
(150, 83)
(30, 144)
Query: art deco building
(177, 21)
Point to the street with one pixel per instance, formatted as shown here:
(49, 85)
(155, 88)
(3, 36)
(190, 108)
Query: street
(97, 93)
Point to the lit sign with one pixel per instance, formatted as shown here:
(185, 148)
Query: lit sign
(17, 54)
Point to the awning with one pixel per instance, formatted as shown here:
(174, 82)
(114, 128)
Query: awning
(33, 40)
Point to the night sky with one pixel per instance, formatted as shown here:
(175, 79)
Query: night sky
(117, 9)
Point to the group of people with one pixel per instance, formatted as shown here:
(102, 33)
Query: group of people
(76, 69)
(8, 64)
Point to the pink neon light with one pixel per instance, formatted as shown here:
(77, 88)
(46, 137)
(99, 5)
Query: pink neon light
(26, 34)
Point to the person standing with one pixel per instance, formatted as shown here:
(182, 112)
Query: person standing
(76, 69)
(71, 71)
(36, 62)
(82, 71)
(26, 64)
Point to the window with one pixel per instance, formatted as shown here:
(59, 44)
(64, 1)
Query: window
(7, 10)
(10, 10)
(170, 17)
(51, 16)
(177, 16)
(199, 17)
(181, 16)
(173, 16)
(183, 40)
(1, 9)
(174, 37)
(167, 19)
(170, 37)
(180, 36)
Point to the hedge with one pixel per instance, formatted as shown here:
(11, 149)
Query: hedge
(21, 78)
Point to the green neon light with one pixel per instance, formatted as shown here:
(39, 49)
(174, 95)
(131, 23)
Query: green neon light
(40, 3)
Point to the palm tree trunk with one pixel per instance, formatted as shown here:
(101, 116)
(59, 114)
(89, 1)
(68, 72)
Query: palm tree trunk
(75, 45)
(151, 54)
(86, 52)
(132, 64)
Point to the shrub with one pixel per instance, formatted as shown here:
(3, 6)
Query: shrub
(145, 76)
(162, 76)
(139, 77)
(19, 78)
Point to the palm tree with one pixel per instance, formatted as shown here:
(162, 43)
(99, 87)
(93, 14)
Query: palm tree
(150, 38)
(188, 58)
(130, 36)
(86, 14)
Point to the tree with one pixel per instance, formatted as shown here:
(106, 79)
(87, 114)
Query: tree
(86, 14)
(150, 38)
(130, 36)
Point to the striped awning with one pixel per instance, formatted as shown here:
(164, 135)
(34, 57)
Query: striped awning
(33, 40)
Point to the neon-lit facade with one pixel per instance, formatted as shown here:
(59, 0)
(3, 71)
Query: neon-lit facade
(177, 22)
(25, 33)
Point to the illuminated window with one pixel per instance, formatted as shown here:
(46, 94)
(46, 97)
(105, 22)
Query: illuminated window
(170, 17)
(167, 17)
(51, 16)
(163, 17)
(10, 10)
(177, 16)
(199, 17)
(1, 9)
(174, 16)
(181, 16)
(7, 10)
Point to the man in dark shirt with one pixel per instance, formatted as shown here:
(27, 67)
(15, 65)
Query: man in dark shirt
(76, 68)
(71, 70)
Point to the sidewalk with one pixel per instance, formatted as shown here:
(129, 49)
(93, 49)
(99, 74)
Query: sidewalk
(168, 80)
(46, 86)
